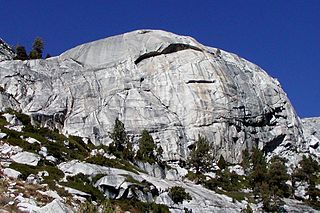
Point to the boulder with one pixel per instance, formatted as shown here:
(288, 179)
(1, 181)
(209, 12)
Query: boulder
(27, 158)
(110, 185)
(237, 169)
(11, 173)
(2, 135)
(56, 206)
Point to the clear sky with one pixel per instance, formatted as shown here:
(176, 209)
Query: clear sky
(283, 37)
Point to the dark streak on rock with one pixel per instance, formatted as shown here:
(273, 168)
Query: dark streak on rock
(200, 81)
(172, 48)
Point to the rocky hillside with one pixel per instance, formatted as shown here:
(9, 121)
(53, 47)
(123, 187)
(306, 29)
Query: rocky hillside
(116, 125)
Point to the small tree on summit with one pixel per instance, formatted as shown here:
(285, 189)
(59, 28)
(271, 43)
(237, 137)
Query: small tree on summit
(201, 156)
(37, 49)
(21, 53)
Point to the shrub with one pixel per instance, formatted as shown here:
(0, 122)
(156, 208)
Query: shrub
(87, 207)
(178, 194)
(140, 207)
(198, 178)
(26, 170)
(25, 119)
(82, 183)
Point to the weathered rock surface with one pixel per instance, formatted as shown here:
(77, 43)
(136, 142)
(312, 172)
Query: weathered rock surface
(6, 53)
(311, 131)
(27, 158)
(11, 173)
(56, 206)
(171, 85)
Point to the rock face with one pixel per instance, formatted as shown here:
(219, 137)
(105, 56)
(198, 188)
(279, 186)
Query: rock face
(171, 85)
(311, 131)
(6, 53)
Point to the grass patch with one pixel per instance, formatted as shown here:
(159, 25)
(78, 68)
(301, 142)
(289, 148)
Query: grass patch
(97, 177)
(26, 170)
(25, 119)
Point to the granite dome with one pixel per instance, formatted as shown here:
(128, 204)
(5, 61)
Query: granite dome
(171, 85)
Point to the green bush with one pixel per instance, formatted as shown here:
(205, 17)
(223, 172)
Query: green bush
(3, 121)
(87, 207)
(140, 207)
(54, 173)
(198, 178)
(25, 170)
(178, 194)
(14, 139)
(25, 119)
(82, 183)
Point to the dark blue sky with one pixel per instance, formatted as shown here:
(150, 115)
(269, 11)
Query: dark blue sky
(283, 37)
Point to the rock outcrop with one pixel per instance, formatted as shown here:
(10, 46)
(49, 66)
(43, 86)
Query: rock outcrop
(171, 85)
(311, 131)
(6, 53)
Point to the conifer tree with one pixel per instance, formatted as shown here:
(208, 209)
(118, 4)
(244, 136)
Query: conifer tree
(259, 170)
(119, 138)
(147, 148)
(21, 53)
(201, 156)
(37, 49)
(278, 176)
(222, 163)
(245, 163)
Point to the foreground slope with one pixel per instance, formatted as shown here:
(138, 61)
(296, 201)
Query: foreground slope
(170, 85)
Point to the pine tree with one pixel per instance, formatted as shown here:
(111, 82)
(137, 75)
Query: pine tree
(259, 170)
(245, 163)
(147, 148)
(21, 53)
(120, 139)
(277, 177)
(201, 156)
(309, 172)
(222, 163)
(37, 49)
(128, 153)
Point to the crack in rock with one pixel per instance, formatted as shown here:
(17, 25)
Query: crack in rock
(172, 48)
